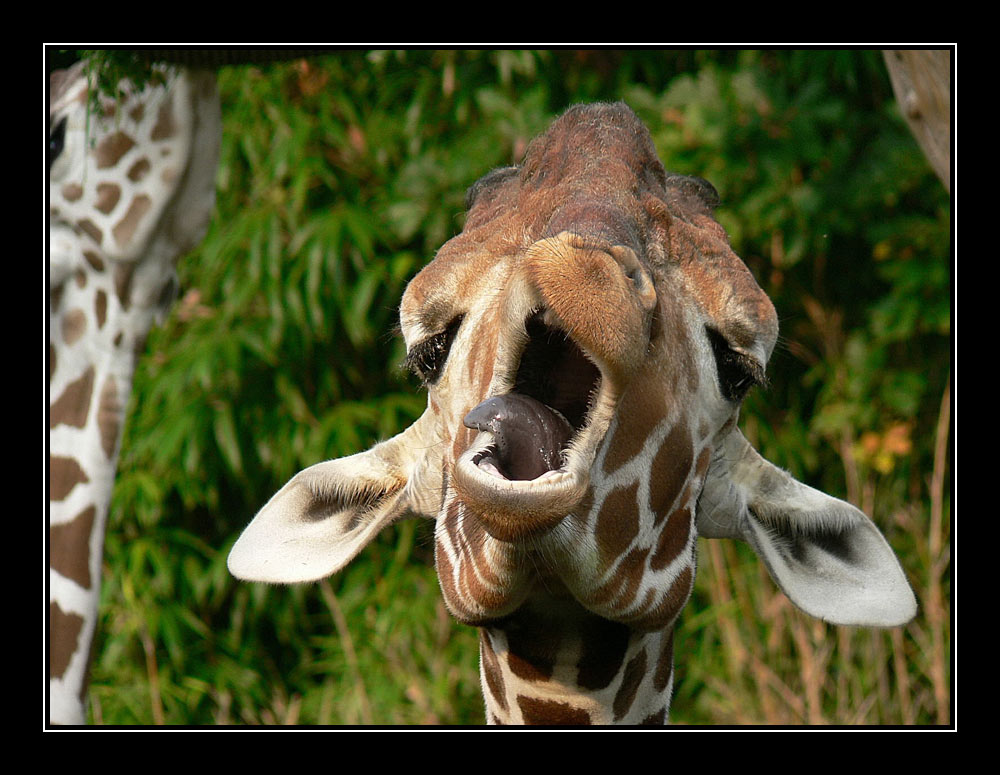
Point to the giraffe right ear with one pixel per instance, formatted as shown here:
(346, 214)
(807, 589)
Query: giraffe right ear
(327, 513)
(824, 554)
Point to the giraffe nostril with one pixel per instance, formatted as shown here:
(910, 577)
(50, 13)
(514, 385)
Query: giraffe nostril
(635, 272)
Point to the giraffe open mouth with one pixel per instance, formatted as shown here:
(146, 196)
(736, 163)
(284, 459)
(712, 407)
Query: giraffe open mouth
(534, 424)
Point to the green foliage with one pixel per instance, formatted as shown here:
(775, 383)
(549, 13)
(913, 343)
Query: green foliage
(340, 176)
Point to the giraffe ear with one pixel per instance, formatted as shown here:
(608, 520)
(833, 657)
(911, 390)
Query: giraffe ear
(824, 554)
(326, 514)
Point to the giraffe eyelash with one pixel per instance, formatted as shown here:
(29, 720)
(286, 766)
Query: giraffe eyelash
(737, 371)
(427, 358)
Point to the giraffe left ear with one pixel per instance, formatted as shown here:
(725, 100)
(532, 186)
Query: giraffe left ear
(327, 513)
(824, 554)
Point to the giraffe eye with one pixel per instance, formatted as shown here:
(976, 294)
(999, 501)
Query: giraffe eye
(427, 358)
(738, 372)
(56, 139)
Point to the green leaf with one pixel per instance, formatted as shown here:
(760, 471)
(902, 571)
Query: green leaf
(226, 437)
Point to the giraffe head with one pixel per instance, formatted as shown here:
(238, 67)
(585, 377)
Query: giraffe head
(129, 174)
(586, 342)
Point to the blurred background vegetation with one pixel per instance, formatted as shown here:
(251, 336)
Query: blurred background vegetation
(340, 176)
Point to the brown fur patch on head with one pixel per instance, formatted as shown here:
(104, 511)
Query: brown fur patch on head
(111, 149)
(595, 174)
(490, 196)
(600, 148)
(714, 275)
(585, 175)
(483, 357)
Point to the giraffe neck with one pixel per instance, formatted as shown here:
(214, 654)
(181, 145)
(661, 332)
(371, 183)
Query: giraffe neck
(96, 334)
(552, 663)
(579, 628)
(130, 191)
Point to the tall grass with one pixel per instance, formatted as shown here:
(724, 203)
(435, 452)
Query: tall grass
(747, 656)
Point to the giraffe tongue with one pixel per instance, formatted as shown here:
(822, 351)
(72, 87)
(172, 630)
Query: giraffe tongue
(528, 435)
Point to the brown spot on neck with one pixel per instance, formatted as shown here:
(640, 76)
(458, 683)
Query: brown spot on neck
(139, 170)
(166, 125)
(123, 283)
(617, 522)
(74, 324)
(126, 227)
(664, 663)
(64, 639)
(101, 308)
(69, 547)
(536, 712)
(603, 651)
(108, 195)
(670, 469)
(670, 604)
(625, 696)
(673, 539)
(492, 674)
(89, 228)
(94, 260)
(73, 406)
(110, 413)
(657, 719)
(71, 192)
(64, 474)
